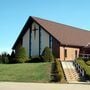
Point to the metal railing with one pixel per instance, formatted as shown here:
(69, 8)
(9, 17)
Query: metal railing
(85, 56)
(80, 70)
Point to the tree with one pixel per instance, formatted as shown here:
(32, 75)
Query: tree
(0, 59)
(13, 54)
(47, 54)
(5, 58)
(12, 57)
(20, 55)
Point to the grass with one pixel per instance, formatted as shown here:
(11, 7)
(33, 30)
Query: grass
(27, 72)
(84, 66)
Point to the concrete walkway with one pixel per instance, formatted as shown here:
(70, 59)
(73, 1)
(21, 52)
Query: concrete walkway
(70, 71)
(42, 86)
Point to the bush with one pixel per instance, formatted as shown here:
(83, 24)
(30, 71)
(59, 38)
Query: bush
(59, 70)
(36, 59)
(54, 73)
(79, 58)
(20, 55)
(12, 58)
(4, 58)
(88, 62)
(57, 73)
(47, 55)
(0, 59)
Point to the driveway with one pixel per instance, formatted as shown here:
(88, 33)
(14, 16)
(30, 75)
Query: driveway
(42, 86)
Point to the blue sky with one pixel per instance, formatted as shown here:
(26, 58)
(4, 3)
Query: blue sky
(14, 13)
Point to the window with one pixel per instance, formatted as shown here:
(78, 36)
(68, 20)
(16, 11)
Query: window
(50, 42)
(65, 52)
(75, 53)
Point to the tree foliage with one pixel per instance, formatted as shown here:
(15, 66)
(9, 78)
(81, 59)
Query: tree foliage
(4, 58)
(12, 58)
(20, 55)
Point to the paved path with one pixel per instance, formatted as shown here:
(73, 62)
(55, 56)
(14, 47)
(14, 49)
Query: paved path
(70, 71)
(41, 86)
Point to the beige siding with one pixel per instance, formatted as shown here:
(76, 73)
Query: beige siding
(25, 42)
(70, 53)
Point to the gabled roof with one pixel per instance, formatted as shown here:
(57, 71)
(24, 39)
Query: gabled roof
(65, 34)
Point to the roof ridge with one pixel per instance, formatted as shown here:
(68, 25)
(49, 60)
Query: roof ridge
(60, 23)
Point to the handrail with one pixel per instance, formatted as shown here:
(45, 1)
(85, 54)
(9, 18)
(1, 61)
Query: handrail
(80, 70)
(85, 56)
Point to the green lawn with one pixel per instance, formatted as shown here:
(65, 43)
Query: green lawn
(84, 66)
(27, 72)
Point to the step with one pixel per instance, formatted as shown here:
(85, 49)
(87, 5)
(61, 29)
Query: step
(70, 71)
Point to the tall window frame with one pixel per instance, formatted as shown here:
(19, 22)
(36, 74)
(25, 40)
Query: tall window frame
(65, 53)
(76, 53)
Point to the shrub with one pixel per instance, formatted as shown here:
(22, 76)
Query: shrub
(79, 58)
(0, 59)
(88, 62)
(57, 73)
(47, 55)
(59, 70)
(36, 59)
(12, 58)
(54, 73)
(5, 58)
(20, 55)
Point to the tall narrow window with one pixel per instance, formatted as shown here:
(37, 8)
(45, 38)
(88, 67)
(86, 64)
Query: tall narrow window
(65, 52)
(39, 40)
(75, 53)
(50, 42)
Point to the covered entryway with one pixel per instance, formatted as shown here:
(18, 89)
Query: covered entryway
(69, 53)
(85, 52)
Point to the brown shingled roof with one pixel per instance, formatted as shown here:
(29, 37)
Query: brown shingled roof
(65, 34)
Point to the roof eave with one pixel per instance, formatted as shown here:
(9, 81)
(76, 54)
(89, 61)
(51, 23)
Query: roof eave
(71, 45)
(22, 32)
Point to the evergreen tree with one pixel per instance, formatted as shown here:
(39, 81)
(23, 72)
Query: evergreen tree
(47, 55)
(20, 55)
